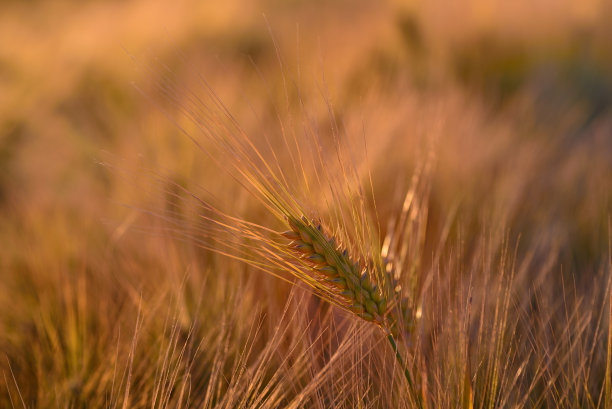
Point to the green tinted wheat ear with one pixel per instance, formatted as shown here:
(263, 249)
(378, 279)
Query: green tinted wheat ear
(349, 282)
(348, 279)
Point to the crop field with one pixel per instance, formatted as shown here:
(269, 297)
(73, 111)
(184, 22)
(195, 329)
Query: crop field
(306, 204)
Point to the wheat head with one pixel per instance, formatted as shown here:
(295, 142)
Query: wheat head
(343, 276)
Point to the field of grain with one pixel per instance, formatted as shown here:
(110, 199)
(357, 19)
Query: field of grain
(305, 204)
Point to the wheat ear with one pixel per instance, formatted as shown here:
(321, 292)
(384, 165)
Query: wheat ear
(349, 279)
(343, 276)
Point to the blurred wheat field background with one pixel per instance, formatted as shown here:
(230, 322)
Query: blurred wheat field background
(461, 150)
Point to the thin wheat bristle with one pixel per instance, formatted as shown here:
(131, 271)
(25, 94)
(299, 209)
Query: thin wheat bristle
(349, 279)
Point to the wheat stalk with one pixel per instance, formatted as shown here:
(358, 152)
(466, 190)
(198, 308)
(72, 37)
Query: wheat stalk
(351, 281)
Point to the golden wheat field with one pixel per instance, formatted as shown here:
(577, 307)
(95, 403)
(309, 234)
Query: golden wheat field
(306, 204)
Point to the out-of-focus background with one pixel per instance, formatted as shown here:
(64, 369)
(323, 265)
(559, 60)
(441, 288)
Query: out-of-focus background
(514, 98)
(510, 89)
